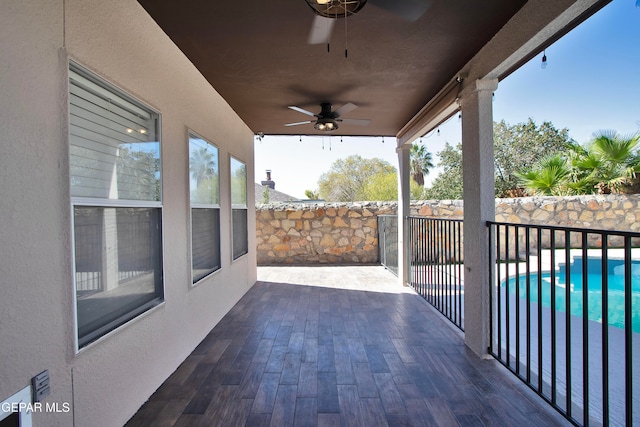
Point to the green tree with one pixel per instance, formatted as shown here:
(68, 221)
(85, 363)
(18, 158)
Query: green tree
(382, 187)
(138, 173)
(207, 191)
(238, 182)
(416, 191)
(447, 185)
(347, 178)
(311, 195)
(519, 147)
(421, 162)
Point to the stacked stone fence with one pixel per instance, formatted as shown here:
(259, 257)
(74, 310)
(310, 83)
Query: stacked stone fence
(347, 233)
(319, 233)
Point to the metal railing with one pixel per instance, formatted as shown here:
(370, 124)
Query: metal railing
(388, 242)
(436, 270)
(576, 349)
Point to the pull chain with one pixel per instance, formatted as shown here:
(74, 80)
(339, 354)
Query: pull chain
(346, 40)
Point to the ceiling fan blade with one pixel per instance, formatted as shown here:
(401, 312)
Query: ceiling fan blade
(346, 108)
(321, 30)
(410, 10)
(299, 123)
(357, 122)
(302, 110)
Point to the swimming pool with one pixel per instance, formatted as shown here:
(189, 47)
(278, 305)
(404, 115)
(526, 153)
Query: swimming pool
(616, 291)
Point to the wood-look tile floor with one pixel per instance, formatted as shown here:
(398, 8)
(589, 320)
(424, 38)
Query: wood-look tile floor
(356, 349)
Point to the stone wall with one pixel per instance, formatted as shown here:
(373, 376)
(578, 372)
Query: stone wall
(347, 233)
(600, 212)
(319, 233)
(607, 212)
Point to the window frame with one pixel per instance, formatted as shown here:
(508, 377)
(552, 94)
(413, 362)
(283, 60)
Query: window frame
(239, 207)
(204, 206)
(103, 87)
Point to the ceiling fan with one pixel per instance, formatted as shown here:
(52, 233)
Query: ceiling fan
(327, 11)
(327, 120)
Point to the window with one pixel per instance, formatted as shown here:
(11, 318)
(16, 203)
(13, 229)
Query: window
(205, 207)
(117, 211)
(239, 207)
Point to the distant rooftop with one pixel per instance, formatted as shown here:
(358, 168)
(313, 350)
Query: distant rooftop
(274, 195)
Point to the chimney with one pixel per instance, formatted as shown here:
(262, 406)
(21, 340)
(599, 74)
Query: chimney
(268, 182)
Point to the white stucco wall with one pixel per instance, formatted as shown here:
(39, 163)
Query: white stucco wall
(106, 382)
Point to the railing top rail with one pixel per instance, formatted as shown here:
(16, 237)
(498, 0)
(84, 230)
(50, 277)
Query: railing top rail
(432, 218)
(570, 229)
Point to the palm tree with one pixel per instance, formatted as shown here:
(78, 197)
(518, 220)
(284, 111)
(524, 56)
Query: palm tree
(202, 165)
(550, 178)
(421, 162)
(608, 164)
(617, 158)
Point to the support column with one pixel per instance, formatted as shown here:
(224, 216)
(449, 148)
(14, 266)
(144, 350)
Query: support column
(479, 207)
(404, 205)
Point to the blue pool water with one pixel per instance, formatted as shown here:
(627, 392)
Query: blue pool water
(616, 291)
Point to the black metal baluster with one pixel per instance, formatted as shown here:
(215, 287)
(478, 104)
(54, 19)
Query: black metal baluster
(528, 297)
(449, 269)
(433, 286)
(445, 279)
(434, 260)
(427, 261)
(553, 317)
(567, 264)
(506, 296)
(605, 329)
(412, 250)
(585, 329)
(416, 257)
(417, 260)
(440, 276)
(491, 287)
(498, 292)
(539, 253)
(424, 260)
(441, 266)
(628, 331)
(460, 264)
(517, 302)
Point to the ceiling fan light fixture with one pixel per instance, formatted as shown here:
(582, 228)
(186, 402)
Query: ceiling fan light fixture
(326, 125)
(336, 8)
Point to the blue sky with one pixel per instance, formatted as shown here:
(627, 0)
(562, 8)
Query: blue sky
(592, 82)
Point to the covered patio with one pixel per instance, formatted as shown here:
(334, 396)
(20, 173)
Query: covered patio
(314, 345)
(339, 346)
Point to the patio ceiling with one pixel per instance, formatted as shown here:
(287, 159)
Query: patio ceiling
(255, 54)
